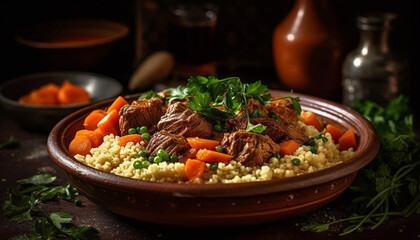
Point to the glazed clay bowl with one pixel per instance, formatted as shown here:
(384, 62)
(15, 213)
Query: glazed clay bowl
(216, 205)
(43, 118)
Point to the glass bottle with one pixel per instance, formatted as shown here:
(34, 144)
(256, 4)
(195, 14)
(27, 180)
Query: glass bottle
(374, 70)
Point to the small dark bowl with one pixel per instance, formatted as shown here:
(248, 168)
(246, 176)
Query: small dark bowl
(217, 205)
(73, 44)
(43, 118)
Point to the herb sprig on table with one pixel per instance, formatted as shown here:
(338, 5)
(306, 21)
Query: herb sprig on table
(394, 174)
(218, 99)
(23, 202)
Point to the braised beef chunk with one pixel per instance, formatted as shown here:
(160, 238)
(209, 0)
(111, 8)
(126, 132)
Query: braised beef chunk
(250, 149)
(145, 112)
(274, 130)
(284, 111)
(182, 121)
(171, 143)
(279, 131)
(254, 105)
(238, 123)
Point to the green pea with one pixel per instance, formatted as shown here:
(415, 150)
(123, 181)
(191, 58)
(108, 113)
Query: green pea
(137, 164)
(314, 150)
(146, 136)
(296, 161)
(214, 166)
(220, 148)
(174, 159)
(142, 153)
(132, 131)
(276, 155)
(145, 164)
(143, 130)
(152, 159)
(162, 153)
(138, 130)
(158, 159)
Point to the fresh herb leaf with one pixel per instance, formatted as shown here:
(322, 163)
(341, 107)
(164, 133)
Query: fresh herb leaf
(58, 218)
(58, 226)
(259, 128)
(20, 207)
(9, 143)
(33, 190)
(41, 179)
(178, 93)
(149, 94)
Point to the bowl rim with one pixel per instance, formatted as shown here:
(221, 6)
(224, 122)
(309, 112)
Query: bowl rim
(120, 30)
(118, 86)
(365, 152)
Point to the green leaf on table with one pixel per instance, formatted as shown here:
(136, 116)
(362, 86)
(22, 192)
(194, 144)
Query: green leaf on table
(12, 141)
(41, 179)
(58, 218)
(20, 207)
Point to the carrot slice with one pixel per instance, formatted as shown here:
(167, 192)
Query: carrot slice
(347, 140)
(45, 95)
(96, 138)
(71, 94)
(210, 156)
(117, 104)
(288, 147)
(135, 138)
(202, 143)
(109, 124)
(190, 153)
(92, 120)
(310, 118)
(194, 169)
(80, 145)
(334, 131)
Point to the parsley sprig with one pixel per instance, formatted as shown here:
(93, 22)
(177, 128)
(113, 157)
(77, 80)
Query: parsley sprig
(393, 174)
(57, 225)
(22, 205)
(218, 99)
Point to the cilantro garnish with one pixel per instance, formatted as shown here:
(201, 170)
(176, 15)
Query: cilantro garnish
(217, 99)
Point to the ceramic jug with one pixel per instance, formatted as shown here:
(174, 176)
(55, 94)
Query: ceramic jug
(309, 46)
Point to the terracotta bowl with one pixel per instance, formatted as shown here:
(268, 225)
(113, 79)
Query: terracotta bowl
(76, 44)
(214, 205)
(44, 118)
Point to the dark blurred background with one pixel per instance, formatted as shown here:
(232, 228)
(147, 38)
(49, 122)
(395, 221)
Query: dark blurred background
(244, 32)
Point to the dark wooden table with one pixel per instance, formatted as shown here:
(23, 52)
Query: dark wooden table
(30, 157)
